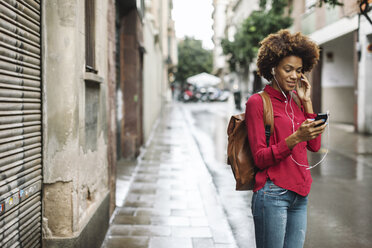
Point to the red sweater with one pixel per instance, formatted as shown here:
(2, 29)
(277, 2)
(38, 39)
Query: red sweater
(274, 162)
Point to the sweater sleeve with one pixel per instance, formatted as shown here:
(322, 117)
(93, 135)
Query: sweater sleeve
(314, 144)
(263, 156)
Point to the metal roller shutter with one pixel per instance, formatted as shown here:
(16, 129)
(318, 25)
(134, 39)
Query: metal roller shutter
(20, 124)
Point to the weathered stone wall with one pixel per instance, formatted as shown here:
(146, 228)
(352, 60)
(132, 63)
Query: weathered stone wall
(74, 118)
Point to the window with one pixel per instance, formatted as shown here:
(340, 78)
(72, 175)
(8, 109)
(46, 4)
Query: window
(90, 36)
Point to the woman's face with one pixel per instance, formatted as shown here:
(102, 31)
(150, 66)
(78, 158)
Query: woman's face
(287, 73)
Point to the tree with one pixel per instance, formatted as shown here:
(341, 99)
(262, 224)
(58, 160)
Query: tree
(192, 59)
(243, 49)
(257, 26)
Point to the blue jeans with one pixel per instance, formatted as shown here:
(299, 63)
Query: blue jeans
(279, 217)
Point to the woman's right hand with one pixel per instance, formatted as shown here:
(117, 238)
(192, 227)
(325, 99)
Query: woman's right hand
(307, 131)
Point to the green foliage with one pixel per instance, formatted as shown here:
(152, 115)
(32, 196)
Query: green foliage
(192, 59)
(257, 26)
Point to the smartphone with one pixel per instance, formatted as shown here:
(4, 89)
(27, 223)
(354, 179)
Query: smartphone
(321, 116)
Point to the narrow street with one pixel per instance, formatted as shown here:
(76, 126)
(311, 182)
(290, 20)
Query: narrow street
(168, 199)
(181, 192)
(114, 114)
(340, 200)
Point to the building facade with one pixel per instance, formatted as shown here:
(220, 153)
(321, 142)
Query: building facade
(77, 82)
(76, 191)
(159, 60)
(340, 81)
(219, 17)
(147, 55)
(228, 16)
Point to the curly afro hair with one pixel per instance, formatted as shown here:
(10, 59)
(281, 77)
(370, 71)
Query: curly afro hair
(282, 44)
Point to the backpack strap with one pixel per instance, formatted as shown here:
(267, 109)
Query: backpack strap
(268, 115)
(296, 99)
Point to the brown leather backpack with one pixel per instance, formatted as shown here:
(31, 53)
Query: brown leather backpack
(239, 155)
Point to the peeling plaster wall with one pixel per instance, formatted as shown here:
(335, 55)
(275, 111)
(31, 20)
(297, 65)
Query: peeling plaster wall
(75, 178)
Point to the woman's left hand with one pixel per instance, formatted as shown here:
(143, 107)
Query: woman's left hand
(304, 90)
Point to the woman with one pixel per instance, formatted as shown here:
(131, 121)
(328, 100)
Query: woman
(279, 202)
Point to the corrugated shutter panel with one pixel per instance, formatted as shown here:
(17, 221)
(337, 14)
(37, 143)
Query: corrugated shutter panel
(20, 124)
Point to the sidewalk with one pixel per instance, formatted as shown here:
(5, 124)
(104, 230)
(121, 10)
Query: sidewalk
(355, 146)
(171, 201)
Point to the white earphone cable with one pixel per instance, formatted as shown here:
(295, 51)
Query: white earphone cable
(308, 167)
(326, 153)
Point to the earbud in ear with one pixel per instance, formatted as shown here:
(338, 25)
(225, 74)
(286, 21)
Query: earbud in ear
(272, 71)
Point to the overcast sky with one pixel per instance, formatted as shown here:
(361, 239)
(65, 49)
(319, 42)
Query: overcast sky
(194, 18)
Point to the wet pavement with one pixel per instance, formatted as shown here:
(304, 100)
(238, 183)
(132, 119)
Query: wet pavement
(208, 124)
(167, 197)
(180, 192)
(340, 200)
